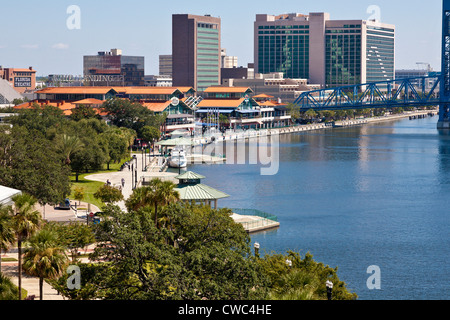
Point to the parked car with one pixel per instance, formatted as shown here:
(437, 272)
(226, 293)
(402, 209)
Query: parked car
(64, 205)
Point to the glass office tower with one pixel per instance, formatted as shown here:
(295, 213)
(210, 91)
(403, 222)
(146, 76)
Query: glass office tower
(284, 49)
(326, 52)
(343, 55)
(380, 53)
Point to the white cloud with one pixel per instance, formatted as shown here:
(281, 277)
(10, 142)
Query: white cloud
(60, 46)
(29, 46)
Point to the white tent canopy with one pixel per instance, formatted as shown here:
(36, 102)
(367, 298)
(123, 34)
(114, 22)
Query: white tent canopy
(6, 194)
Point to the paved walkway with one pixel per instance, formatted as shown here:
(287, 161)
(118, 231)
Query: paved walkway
(131, 177)
(31, 284)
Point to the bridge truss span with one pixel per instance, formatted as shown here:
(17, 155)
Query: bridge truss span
(422, 91)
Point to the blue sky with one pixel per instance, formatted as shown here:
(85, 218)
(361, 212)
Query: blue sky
(35, 33)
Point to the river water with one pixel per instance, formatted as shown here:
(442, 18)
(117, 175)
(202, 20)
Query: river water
(372, 195)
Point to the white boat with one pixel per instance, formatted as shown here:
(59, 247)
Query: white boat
(178, 158)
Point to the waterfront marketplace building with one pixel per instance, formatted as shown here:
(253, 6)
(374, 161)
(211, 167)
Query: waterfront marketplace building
(233, 107)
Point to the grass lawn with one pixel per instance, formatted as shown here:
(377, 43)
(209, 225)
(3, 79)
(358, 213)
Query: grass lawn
(91, 187)
(8, 259)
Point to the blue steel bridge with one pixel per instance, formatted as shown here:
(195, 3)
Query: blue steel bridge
(412, 92)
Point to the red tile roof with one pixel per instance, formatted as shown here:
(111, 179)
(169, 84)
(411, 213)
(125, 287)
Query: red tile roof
(220, 103)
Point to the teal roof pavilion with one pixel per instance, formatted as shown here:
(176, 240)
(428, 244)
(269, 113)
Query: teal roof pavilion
(190, 188)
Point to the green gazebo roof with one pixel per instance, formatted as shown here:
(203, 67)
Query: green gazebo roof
(189, 175)
(199, 192)
(190, 188)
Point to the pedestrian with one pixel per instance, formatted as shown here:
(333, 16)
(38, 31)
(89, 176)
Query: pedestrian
(123, 182)
(329, 285)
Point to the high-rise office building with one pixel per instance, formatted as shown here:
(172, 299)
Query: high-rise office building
(196, 51)
(165, 65)
(114, 69)
(327, 52)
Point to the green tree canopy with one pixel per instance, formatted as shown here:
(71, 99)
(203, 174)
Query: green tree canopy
(150, 134)
(109, 194)
(116, 145)
(7, 235)
(8, 291)
(292, 278)
(128, 114)
(84, 112)
(199, 253)
(44, 257)
(31, 163)
(40, 118)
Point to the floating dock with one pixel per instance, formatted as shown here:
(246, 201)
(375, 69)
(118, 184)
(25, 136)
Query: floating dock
(254, 220)
(204, 158)
(253, 224)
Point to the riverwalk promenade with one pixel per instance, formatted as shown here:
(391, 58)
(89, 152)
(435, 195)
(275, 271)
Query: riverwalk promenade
(238, 135)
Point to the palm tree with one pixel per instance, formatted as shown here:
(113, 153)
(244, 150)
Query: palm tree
(68, 145)
(26, 222)
(44, 258)
(157, 193)
(138, 199)
(8, 291)
(164, 194)
(6, 230)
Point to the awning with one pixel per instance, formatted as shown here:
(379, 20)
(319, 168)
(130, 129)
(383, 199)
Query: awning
(178, 116)
(176, 142)
(217, 111)
(249, 111)
(6, 195)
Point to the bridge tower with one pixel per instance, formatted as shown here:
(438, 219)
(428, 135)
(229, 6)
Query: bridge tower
(444, 107)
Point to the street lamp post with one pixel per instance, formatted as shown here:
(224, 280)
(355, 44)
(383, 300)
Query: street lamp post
(256, 245)
(289, 262)
(145, 157)
(132, 173)
(329, 285)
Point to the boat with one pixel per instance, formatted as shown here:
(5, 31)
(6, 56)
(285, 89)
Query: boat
(178, 158)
